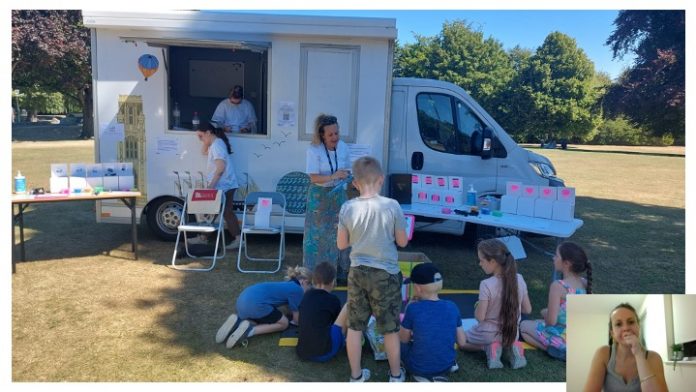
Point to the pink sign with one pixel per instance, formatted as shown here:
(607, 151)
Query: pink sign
(428, 180)
(565, 193)
(265, 202)
(456, 183)
(415, 179)
(440, 181)
(435, 197)
(422, 196)
(529, 190)
(515, 187)
(547, 192)
(449, 199)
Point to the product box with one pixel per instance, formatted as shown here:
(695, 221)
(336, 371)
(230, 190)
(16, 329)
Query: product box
(78, 184)
(59, 180)
(95, 174)
(442, 183)
(419, 196)
(567, 195)
(416, 181)
(428, 181)
(110, 177)
(513, 188)
(563, 211)
(548, 192)
(543, 208)
(126, 183)
(452, 198)
(508, 204)
(530, 191)
(435, 197)
(456, 183)
(78, 170)
(525, 206)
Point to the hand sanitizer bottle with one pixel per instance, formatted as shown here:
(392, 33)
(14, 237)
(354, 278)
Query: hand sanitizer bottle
(20, 183)
(471, 195)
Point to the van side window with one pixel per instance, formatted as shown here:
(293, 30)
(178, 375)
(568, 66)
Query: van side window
(446, 124)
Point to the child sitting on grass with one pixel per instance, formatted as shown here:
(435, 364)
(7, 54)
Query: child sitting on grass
(549, 334)
(430, 328)
(257, 312)
(502, 299)
(322, 321)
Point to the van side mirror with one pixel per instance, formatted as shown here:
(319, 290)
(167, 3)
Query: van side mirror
(487, 144)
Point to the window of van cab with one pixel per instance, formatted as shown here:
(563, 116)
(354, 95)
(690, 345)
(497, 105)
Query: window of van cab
(200, 78)
(447, 124)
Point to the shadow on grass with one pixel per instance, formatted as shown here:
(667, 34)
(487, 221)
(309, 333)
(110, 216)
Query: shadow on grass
(44, 132)
(633, 248)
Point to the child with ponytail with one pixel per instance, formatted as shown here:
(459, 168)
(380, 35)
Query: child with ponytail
(549, 334)
(502, 299)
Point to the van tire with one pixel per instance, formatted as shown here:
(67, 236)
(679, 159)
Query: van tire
(163, 217)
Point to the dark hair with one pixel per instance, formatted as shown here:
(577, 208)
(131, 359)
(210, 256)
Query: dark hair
(577, 257)
(236, 92)
(206, 126)
(625, 305)
(324, 273)
(494, 249)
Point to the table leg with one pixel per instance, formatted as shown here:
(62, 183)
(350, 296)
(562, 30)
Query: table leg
(23, 255)
(14, 261)
(134, 229)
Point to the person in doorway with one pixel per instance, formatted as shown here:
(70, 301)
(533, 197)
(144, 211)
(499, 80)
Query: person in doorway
(221, 175)
(235, 114)
(327, 164)
(625, 365)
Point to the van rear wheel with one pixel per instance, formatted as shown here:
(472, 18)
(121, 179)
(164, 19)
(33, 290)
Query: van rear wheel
(163, 217)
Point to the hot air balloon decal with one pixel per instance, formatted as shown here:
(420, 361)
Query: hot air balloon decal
(148, 65)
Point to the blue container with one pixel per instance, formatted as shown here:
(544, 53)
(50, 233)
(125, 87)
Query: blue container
(471, 196)
(20, 183)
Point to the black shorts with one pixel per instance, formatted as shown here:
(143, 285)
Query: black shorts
(270, 318)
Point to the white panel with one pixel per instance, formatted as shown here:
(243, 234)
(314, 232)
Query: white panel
(684, 315)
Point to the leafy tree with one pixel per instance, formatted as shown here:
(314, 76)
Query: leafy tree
(652, 92)
(51, 52)
(460, 55)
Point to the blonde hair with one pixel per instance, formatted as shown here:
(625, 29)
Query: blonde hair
(299, 273)
(367, 170)
(320, 122)
(431, 288)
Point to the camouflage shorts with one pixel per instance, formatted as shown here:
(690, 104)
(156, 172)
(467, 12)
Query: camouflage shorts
(377, 292)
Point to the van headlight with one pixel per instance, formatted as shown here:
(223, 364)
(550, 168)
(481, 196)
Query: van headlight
(543, 170)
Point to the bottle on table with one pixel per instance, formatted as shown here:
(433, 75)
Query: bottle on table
(195, 122)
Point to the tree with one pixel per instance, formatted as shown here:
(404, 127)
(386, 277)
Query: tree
(460, 55)
(652, 92)
(51, 51)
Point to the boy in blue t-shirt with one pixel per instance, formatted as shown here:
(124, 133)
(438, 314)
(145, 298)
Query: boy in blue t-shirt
(430, 328)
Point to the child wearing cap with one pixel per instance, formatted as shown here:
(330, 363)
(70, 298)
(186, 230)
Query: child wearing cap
(430, 328)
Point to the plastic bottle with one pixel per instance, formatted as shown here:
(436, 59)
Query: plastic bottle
(195, 121)
(20, 183)
(471, 195)
(177, 115)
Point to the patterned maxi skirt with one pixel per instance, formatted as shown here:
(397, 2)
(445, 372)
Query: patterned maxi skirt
(321, 225)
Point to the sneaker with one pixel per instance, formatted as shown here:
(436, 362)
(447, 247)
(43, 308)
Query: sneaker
(199, 239)
(227, 328)
(364, 376)
(493, 353)
(400, 378)
(234, 244)
(240, 333)
(454, 367)
(517, 358)
(430, 379)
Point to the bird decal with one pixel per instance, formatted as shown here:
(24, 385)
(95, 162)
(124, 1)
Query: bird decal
(258, 155)
(285, 134)
(279, 143)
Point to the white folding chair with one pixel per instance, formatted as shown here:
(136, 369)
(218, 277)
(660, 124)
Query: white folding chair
(267, 208)
(208, 205)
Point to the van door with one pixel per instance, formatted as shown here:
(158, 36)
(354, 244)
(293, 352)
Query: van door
(445, 138)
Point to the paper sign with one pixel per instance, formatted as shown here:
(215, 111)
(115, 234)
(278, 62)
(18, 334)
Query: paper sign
(59, 169)
(262, 217)
(78, 169)
(112, 131)
(204, 195)
(167, 146)
(95, 170)
(358, 151)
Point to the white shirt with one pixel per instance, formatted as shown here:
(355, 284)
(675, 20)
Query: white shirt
(228, 180)
(236, 117)
(318, 161)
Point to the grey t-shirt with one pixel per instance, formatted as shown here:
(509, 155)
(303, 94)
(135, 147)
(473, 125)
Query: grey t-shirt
(371, 224)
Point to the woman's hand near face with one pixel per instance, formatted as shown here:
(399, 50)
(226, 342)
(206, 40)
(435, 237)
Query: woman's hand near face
(634, 342)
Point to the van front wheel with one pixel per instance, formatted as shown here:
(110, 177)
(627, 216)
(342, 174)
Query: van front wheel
(163, 217)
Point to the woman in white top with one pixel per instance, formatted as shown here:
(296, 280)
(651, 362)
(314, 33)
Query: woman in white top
(221, 173)
(328, 163)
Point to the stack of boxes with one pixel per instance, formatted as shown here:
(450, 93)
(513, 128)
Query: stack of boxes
(109, 176)
(445, 191)
(539, 201)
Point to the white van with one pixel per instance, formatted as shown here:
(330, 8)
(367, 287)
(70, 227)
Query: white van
(292, 68)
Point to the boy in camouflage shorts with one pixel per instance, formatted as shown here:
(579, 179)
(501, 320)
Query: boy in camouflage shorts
(370, 224)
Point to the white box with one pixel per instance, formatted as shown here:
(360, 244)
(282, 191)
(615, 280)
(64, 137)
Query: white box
(442, 183)
(419, 196)
(77, 184)
(428, 181)
(548, 192)
(59, 170)
(110, 183)
(262, 215)
(95, 182)
(456, 183)
(543, 208)
(563, 211)
(435, 197)
(58, 184)
(416, 181)
(508, 204)
(567, 195)
(530, 191)
(452, 198)
(124, 168)
(78, 170)
(525, 206)
(513, 188)
(126, 183)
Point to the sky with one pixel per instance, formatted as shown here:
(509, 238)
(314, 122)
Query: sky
(526, 28)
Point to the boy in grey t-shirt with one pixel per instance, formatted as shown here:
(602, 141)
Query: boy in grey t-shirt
(370, 224)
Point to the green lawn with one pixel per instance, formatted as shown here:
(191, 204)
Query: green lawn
(83, 311)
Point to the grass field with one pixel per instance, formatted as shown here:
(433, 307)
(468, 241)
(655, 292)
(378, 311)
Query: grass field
(83, 311)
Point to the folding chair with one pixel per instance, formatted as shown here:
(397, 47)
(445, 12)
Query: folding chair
(265, 206)
(208, 206)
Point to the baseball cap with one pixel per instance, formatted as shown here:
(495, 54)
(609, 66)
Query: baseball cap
(424, 273)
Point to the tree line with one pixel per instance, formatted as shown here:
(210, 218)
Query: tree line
(552, 92)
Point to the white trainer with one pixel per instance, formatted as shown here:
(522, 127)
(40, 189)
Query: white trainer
(234, 244)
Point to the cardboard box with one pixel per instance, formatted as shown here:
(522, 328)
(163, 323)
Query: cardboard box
(428, 181)
(58, 184)
(419, 196)
(548, 192)
(508, 204)
(513, 188)
(543, 208)
(435, 197)
(452, 198)
(525, 206)
(442, 183)
(456, 183)
(530, 191)
(566, 195)
(563, 211)
(416, 181)
(126, 183)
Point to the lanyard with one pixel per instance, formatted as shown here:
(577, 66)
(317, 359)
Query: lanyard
(329, 158)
